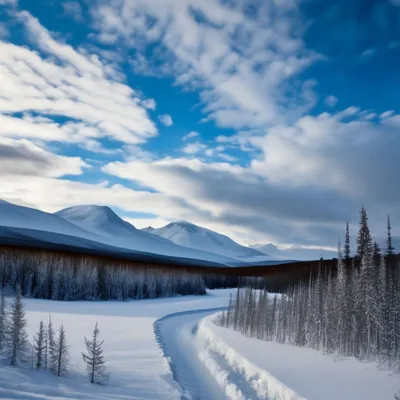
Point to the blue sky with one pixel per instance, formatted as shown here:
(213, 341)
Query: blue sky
(269, 121)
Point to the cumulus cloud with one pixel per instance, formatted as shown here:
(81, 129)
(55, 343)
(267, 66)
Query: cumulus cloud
(166, 120)
(59, 81)
(194, 148)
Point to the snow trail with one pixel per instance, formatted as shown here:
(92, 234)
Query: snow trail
(201, 372)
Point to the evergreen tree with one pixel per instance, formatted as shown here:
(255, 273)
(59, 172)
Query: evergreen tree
(347, 250)
(377, 255)
(39, 346)
(390, 248)
(16, 345)
(61, 353)
(364, 235)
(94, 359)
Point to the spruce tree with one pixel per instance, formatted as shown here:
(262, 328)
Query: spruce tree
(364, 235)
(390, 248)
(347, 250)
(39, 346)
(61, 353)
(94, 359)
(16, 345)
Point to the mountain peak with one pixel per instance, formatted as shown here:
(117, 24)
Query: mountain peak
(95, 214)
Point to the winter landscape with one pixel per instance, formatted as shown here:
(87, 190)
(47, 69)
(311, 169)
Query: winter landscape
(199, 200)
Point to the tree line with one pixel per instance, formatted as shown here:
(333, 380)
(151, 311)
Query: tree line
(351, 311)
(62, 277)
(49, 349)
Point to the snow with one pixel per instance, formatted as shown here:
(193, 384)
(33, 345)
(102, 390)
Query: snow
(133, 356)
(103, 222)
(284, 372)
(294, 253)
(148, 343)
(98, 224)
(190, 235)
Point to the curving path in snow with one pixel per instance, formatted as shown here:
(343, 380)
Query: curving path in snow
(177, 335)
(201, 372)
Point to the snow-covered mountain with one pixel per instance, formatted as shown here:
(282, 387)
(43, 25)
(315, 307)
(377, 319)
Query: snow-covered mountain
(15, 216)
(105, 223)
(294, 253)
(190, 235)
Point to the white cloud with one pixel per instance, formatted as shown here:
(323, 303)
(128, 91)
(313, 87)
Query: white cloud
(150, 104)
(73, 9)
(191, 135)
(194, 148)
(331, 101)
(355, 158)
(24, 158)
(74, 85)
(386, 114)
(166, 119)
(240, 64)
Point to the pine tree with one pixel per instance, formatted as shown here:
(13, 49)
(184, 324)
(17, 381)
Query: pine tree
(61, 353)
(94, 359)
(39, 346)
(390, 248)
(16, 345)
(347, 250)
(364, 235)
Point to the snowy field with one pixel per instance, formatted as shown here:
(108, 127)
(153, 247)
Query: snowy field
(134, 359)
(210, 362)
(284, 372)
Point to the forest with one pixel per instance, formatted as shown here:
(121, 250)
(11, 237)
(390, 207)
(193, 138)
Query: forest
(59, 276)
(352, 310)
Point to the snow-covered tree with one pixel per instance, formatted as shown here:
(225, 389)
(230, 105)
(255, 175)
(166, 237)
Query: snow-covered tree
(347, 249)
(39, 346)
(16, 345)
(3, 315)
(61, 353)
(94, 359)
(364, 235)
(390, 248)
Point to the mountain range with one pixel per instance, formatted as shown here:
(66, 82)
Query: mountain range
(100, 228)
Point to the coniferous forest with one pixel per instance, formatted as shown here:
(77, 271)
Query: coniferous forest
(353, 310)
(63, 277)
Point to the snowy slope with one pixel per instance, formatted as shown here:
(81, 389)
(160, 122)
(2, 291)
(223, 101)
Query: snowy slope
(295, 253)
(15, 216)
(103, 222)
(193, 236)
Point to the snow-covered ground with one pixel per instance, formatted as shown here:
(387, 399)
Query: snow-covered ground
(208, 361)
(134, 358)
(283, 372)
